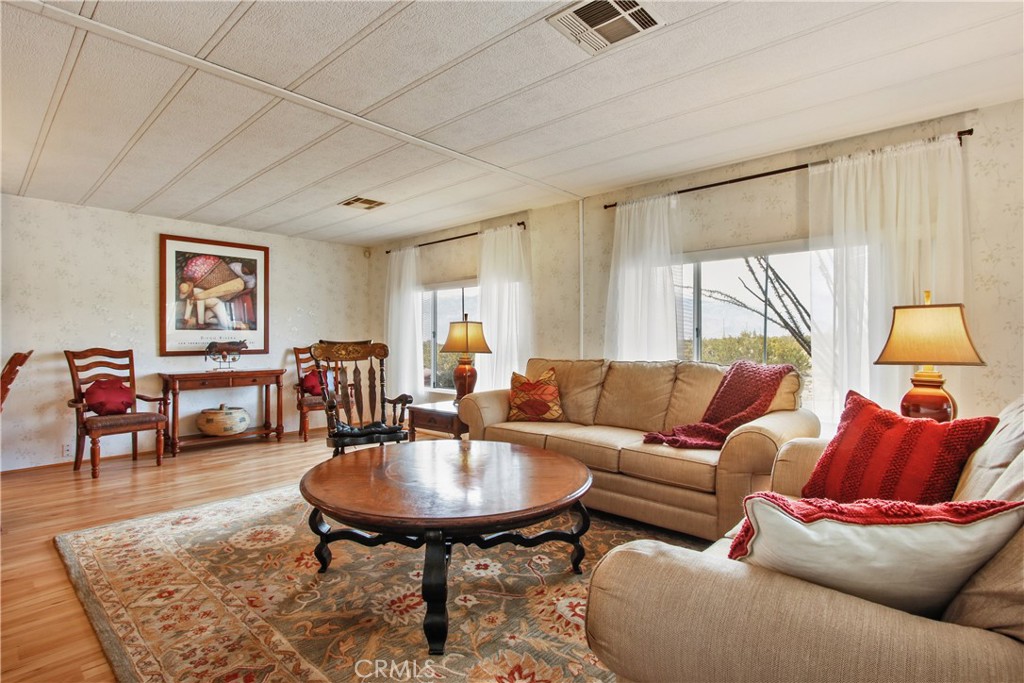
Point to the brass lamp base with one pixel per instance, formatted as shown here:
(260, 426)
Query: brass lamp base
(927, 398)
(465, 377)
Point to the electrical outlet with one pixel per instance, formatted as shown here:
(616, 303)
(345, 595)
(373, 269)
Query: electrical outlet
(66, 451)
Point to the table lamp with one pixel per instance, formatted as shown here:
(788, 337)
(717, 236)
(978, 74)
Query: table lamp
(929, 335)
(465, 337)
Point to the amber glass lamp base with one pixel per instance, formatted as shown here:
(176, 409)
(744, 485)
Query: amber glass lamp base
(928, 399)
(465, 377)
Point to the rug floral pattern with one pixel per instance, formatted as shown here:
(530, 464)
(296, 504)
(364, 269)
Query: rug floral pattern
(229, 593)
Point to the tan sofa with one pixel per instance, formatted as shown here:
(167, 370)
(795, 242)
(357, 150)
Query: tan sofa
(657, 613)
(609, 405)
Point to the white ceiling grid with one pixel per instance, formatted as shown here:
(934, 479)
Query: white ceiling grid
(265, 115)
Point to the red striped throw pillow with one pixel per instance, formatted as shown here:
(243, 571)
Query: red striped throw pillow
(879, 454)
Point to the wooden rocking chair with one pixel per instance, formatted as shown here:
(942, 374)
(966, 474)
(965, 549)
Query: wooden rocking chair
(365, 406)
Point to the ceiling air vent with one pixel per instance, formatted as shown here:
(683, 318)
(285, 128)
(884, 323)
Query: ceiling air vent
(361, 203)
(596, 26)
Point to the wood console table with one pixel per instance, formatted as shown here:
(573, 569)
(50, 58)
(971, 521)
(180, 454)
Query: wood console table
(174, 383)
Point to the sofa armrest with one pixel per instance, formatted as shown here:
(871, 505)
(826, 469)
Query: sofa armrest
(749, 454)
(795, 464)
(483, 408)
(702, 618)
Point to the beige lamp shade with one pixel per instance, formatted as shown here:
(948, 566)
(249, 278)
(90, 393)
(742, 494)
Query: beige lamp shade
(465, 336)
(929, 335)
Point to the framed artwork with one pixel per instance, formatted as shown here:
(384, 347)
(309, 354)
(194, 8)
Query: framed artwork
(212, 292)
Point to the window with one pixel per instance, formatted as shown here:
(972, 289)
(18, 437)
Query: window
(753, 308)
(442, 306)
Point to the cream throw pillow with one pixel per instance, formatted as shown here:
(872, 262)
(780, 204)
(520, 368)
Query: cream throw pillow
(907, 556)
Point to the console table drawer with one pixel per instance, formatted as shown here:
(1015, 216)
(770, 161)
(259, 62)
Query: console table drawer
(204, 383)
(250, 381)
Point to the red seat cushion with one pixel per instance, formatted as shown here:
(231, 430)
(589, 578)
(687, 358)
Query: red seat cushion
(879, 454)
(109, 397)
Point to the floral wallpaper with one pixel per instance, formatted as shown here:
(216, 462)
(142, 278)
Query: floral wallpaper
(75, 277)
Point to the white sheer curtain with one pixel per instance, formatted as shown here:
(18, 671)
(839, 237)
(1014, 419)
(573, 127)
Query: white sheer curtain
(404, 325)
(640, 322)
(889, 225)
(506, 305)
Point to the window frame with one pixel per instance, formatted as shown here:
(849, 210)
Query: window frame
(435, 344)
(699, 257)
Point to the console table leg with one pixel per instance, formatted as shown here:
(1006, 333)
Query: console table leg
(435, 591)
(322, 551)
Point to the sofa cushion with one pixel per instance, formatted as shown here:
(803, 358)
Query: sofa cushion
(526, 433)
(635, 394)
(1001, 450)
(879, 454)
(695, 385)
(596, 446)
(534, 400)
(686, 467)
(907, 556)
(993, 599)
(579, 385)
(788, 395)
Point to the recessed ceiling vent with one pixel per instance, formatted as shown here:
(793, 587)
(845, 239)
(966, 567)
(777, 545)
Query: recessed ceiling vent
(596, 26)
(361, 203)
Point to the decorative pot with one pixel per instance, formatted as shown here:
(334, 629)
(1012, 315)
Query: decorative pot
(223, 421)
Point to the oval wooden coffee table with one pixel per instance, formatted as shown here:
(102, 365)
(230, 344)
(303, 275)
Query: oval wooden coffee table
(438, 493)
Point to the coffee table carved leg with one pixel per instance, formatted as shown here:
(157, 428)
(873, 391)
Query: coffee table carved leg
(322, 552)
(435, 590)
(578, 529)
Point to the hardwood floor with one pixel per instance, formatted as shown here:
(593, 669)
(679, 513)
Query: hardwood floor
(45, 636)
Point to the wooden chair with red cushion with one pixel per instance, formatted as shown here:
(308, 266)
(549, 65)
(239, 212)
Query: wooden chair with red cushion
(103, 381)
(11, 368)
(307, 389)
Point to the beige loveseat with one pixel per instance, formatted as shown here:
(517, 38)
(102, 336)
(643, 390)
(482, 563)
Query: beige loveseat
(608, 407)
(658, 613)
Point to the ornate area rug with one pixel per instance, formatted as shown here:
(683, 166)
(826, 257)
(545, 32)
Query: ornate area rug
(229, 592)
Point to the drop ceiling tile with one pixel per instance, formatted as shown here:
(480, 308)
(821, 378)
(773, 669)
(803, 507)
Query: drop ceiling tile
(647, 117)
(527, 56)
(282, 131)
(670, 52)
(277, 42)
(977, 85)
(182, 25)
(205, 110)
(988, 40)
(392, 194)
(111, 92)
(344, 148)
(358, 180)
(412, 44)
(33, 50)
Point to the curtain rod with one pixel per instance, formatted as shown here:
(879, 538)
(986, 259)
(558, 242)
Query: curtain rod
(459, 237)
(959, 134)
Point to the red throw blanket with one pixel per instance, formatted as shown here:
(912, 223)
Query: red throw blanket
(744, 394)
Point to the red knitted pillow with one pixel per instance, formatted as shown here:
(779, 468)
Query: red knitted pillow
(879, 454)
(108, 397)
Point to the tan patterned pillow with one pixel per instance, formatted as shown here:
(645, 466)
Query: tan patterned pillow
(534, 401)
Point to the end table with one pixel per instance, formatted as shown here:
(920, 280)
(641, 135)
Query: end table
(442, 416)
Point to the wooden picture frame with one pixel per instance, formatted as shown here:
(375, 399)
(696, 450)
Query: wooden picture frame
(212, 292)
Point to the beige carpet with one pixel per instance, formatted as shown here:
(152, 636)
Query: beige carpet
(229, 592)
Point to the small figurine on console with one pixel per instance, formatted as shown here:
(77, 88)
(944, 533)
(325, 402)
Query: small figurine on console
(225, 353)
